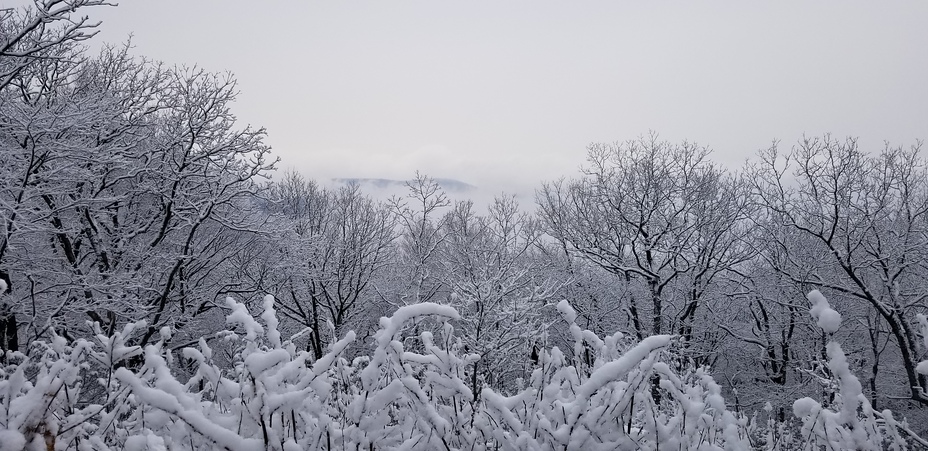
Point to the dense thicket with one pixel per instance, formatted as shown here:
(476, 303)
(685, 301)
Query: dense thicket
(410, 393)
(132, 205)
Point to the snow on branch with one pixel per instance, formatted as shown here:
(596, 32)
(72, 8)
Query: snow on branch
(408, 394)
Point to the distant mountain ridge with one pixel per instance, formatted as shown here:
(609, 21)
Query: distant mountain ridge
(450, 185)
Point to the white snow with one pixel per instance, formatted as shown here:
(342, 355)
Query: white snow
(826, 318)
(565, 309)
(11, 440)
(258, 363)
(415, 397)
(270, 318)
(241, 317)
(200, 423)
(619, 367)
(390, 326)
(804, 407)
(922, 367)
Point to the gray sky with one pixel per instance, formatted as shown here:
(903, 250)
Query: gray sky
(505, 94)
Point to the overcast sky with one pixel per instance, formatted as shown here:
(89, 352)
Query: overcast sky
(505, 94)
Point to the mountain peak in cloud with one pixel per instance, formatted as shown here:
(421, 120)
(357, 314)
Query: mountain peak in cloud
(449, 185)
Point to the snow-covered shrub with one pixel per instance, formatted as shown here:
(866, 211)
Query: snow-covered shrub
(849, 422)
(612, 407)
(409, 394)
(64, 395)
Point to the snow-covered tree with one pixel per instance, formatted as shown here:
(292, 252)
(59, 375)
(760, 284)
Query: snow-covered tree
(416, 274)
(496, 283)
(853, 224)
(334, 244)
(661, 217)
(46, 31)
(125, 188)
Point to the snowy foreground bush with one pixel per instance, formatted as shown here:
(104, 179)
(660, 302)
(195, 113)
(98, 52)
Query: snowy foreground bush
(409, 394)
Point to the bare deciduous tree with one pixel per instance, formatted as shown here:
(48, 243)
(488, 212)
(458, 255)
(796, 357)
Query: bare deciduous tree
(45, 32)
(657, 213)
(124, 184)
(416, 276)
(865, 217)
(335, 243)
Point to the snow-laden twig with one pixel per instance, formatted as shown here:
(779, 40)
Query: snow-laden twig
(610, 395)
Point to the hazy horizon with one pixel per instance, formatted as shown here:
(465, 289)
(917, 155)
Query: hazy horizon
(504, 96)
